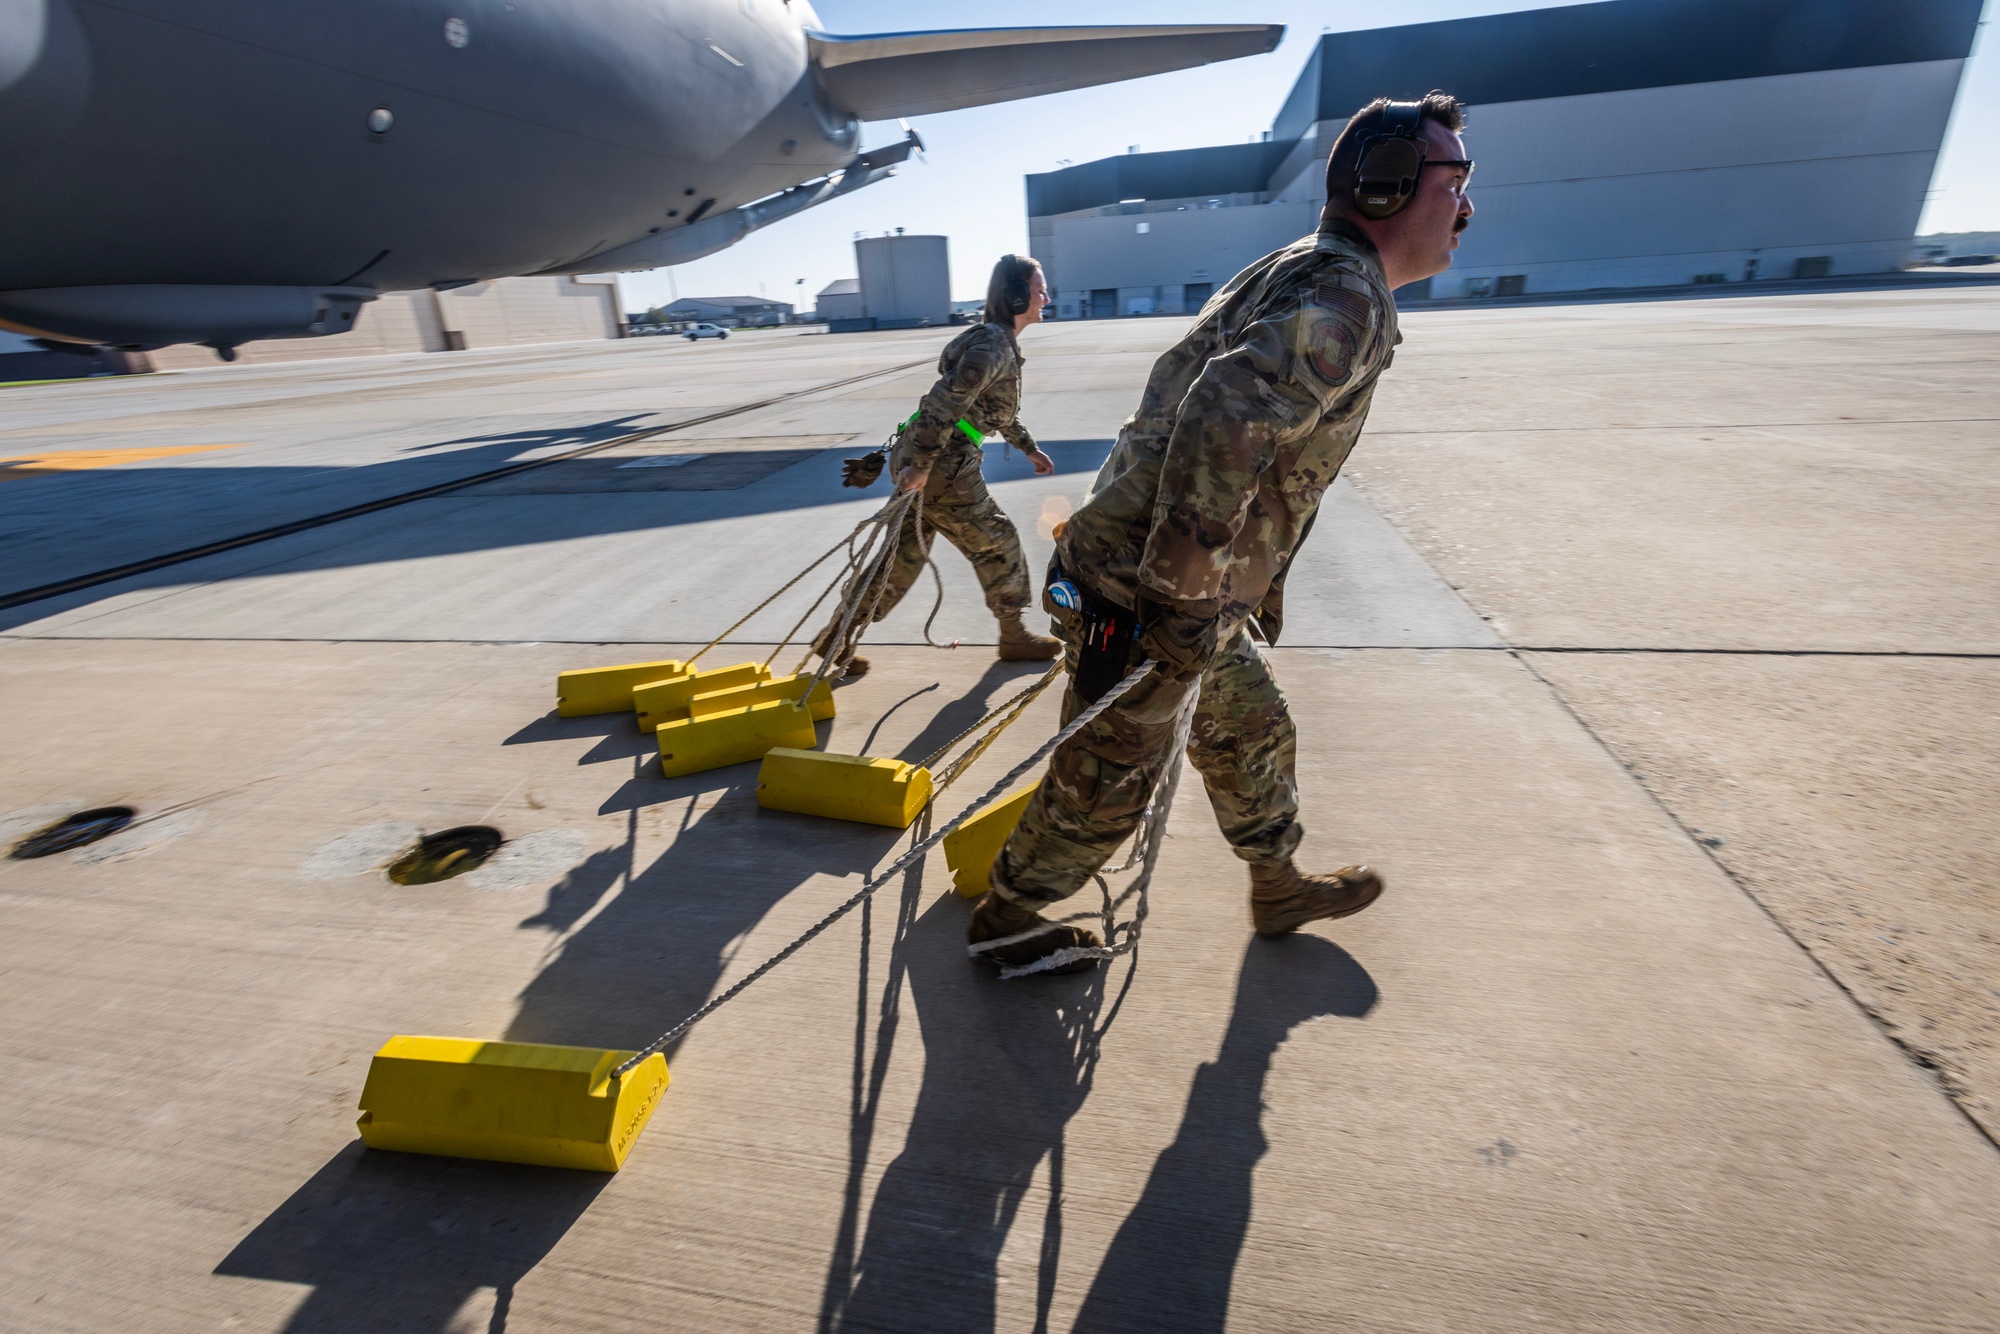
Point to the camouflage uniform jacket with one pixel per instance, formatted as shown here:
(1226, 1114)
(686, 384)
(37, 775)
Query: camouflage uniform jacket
(979, 381)
(1243, 426)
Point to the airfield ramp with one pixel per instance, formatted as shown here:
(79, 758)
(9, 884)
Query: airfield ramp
(1650, 650)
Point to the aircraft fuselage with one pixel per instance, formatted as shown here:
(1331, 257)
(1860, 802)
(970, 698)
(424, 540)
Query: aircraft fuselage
(389, 143)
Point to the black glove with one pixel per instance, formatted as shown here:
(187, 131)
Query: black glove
(1179, 636)
(864, 470)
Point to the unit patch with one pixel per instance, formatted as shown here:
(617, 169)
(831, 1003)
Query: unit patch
(1329, 350)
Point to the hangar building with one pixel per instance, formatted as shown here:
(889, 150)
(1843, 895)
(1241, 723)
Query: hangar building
(1634, 143)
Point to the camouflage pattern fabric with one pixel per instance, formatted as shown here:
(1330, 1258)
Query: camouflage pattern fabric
(979, 381)
(1242, 743)
(1243, 425)
(958, 505)
(1210, 487)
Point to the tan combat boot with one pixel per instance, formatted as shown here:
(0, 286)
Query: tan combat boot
(856, 666)
(1282, 900)
(995, 920)
(1020, 644)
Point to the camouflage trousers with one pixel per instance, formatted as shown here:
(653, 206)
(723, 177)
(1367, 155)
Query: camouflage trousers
(958, 505)
(1242, 742)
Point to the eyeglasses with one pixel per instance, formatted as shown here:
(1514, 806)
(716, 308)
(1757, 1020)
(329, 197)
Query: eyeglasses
(1463, 164)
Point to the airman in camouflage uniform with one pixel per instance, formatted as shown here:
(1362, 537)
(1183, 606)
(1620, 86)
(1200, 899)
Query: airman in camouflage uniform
(978, 393)
(1189, 530)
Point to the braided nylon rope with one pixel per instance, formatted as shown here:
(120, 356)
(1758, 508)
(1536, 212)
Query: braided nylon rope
(881, 878)
(1012, 709)
(873, 520)
(1145, 855)
(873, 574)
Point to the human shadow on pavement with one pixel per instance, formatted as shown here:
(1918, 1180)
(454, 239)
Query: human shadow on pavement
(1172, 1264)
(398, 1243)
(1005, 1068)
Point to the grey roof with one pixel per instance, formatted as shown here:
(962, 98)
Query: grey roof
(1608, 47)
(1532, 54)
(1183, 174)
(842, 287)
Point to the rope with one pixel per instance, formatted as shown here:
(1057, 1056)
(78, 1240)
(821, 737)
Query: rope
(881, 878)
(1034, 688)
(1013, 710)
(793, 582)
(876, 566)
(1118, 939)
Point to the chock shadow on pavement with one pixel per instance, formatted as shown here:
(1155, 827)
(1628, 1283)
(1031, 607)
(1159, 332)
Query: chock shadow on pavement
(395, 1242)
(997, 682)
(656, 951)
(400, 1242)
(619, 738)
(1172, 1264)
(1006, 1065)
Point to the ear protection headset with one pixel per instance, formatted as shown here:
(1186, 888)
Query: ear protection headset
(1392, 157)
(1015, 293)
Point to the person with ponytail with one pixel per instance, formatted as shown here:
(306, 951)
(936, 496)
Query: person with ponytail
(977, 394)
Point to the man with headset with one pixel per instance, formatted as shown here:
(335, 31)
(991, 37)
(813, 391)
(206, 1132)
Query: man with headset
(978, 391)
(1180, 553)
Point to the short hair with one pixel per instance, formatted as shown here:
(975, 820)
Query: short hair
(1344, 162)
(1007, 270)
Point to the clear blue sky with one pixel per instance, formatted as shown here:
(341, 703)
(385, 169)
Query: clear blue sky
(970, 189)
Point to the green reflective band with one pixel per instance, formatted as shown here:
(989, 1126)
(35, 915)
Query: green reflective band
(972, 433)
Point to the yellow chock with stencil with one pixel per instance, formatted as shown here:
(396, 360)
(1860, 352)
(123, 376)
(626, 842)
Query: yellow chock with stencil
(843, 787)
(660, 701)
(718, 734)
(969, 850)
(609, 689)
(511, 1102)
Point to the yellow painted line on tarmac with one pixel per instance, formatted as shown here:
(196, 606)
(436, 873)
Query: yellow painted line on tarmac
(82, 460)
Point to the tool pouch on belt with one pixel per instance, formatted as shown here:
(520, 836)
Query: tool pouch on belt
(1105, 635)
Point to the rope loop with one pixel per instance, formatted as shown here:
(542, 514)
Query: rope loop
(882, 877)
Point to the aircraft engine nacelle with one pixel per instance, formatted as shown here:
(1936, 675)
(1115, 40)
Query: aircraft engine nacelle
(150, 315)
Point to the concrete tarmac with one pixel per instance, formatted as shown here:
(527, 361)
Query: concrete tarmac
(1599, 1060)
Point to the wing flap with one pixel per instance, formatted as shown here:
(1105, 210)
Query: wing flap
(917, 73)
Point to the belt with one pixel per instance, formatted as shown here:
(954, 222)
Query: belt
(972, 433)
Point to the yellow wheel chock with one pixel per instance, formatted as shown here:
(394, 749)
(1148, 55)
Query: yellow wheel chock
(512, 1102)
(843, 787)
(609, 689)
(969, 850)
(657, 701)
(732, 726)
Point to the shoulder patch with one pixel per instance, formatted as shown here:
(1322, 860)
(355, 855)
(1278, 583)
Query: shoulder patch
(1345, 300)
(1329, 349)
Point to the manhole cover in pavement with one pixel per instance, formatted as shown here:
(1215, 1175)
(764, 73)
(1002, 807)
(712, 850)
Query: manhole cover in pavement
(73, 831)
(445, 854)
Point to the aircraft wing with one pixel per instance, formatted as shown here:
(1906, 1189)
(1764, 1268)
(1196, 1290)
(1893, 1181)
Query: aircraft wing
(888, 75)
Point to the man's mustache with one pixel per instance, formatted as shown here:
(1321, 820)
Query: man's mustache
(1461, 224)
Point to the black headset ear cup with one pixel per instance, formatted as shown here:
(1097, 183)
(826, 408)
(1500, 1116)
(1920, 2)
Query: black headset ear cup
(1390, 163)
(1387, 177)
(1017, 286)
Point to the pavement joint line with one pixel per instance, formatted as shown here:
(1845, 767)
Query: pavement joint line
(1693, 426)
(1928, 655)
(1924, 1062)
(80, 582)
